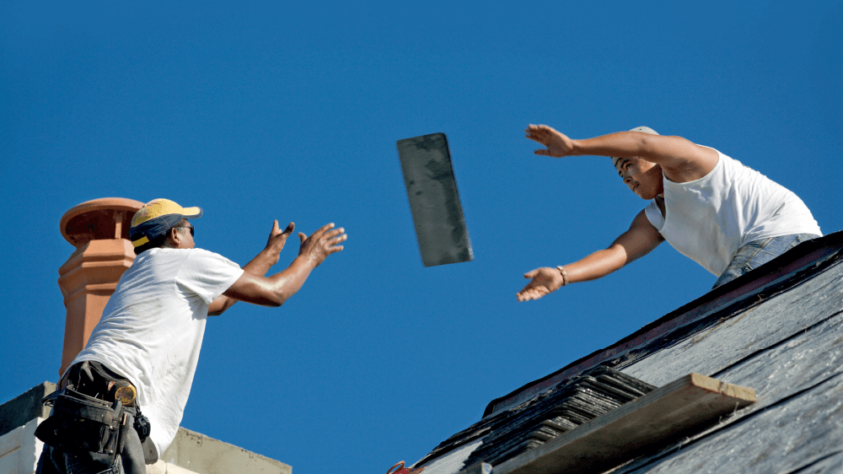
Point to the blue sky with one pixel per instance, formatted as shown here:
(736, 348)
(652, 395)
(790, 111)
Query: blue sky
(265, 111)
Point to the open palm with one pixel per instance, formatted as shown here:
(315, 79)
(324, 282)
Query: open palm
(544, 281)
(558, 145)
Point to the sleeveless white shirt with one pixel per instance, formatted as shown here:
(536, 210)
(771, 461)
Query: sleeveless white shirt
(709, 219)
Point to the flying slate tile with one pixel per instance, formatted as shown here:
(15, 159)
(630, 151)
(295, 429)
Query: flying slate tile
(434, 201)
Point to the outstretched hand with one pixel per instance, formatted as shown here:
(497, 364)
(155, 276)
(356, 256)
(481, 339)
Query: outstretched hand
(277, 239)
(322, 243)
(558, 145)
(545, 280)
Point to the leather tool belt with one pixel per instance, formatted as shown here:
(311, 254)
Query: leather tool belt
(82, 424)
(94, 427)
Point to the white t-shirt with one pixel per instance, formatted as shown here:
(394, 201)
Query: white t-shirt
(152, 328)
(709, 219)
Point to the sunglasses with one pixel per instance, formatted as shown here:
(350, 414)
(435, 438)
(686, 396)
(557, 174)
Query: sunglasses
(186, 227)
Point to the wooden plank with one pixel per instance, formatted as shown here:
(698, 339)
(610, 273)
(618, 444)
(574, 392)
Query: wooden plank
(650, 422)
(795, 421)
(451, 462)
(479, 468)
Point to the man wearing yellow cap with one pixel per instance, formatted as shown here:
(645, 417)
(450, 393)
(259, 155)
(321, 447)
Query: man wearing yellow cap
(145, 348)
(711, 208)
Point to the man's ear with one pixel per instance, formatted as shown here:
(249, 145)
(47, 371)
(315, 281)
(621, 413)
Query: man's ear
(174, 237)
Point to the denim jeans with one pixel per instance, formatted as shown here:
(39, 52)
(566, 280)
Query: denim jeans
(758, 252)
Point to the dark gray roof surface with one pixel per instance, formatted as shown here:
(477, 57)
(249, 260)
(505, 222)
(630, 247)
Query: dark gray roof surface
(778, 330)
(776, 276)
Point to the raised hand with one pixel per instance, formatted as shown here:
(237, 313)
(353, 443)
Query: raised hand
(322, 243)
(558, 145)
(277, 239)
(546, 280)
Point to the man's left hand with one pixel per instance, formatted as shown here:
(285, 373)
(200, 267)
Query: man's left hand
(277, 238)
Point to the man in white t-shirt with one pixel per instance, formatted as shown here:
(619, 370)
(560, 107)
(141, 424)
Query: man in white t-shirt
(146, 346)
(725, 216)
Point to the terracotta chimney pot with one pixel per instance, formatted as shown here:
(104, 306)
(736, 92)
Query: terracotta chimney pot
(99, 230)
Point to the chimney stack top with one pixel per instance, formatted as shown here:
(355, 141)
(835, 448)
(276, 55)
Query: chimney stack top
(105, 218)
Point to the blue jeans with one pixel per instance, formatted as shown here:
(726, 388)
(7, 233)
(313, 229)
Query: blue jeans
(758, 252)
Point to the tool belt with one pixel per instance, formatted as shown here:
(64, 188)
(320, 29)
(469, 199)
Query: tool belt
(82, 424)
(92, 413)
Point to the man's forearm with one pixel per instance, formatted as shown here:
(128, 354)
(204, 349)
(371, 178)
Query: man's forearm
(622, 144)
(290, 280)
(274, 290)
(596, 265)
(257, 266)
(669, 152)
(278, 288)
(262, 262)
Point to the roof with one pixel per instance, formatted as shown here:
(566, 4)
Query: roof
(556, 411)
(778, 330)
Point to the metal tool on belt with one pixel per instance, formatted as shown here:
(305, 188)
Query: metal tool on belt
(124, 391)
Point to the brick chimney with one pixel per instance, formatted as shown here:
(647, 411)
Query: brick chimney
(99, 230)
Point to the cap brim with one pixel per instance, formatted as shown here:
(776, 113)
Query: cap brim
(192, 213)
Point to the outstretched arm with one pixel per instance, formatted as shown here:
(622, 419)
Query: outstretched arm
(259, 265)
(278, 288)
(639, 240)
(681, 159)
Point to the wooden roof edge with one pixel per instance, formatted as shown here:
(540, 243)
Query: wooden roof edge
(687, 405)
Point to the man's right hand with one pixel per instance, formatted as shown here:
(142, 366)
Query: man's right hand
(321, 243)
(278, 239)
(546, 280)
(558, 145)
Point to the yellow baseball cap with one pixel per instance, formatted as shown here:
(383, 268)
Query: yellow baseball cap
(156, 218)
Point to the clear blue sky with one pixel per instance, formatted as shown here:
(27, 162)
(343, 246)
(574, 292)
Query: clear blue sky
(291, 111)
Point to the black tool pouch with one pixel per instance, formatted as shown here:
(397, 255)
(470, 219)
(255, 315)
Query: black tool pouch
(83, 426)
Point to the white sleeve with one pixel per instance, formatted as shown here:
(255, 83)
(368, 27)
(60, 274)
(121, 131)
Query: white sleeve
(207, 274)
(654, 215)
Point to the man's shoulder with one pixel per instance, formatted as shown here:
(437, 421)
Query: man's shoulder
(202, 253)
(180, 258)
(164, 252)
(202, 256)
